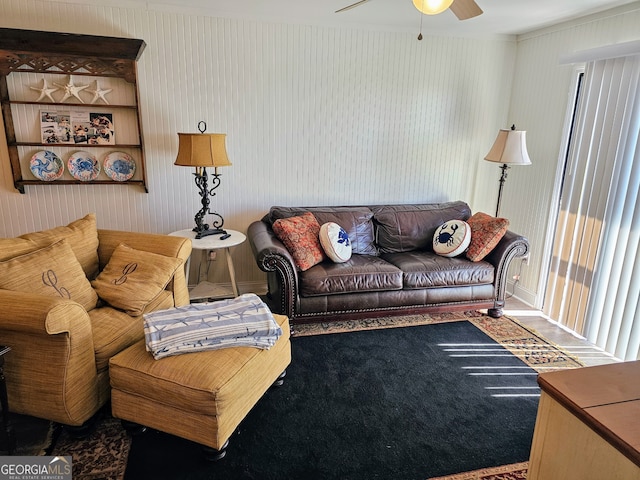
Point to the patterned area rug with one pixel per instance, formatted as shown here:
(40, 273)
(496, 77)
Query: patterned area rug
(522, 341)
(515, 471)
(100, 456)
(342, 326)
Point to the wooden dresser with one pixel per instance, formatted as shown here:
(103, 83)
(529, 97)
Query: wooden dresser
(588, 424)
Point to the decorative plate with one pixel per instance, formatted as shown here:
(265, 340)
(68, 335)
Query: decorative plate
(83, 166)
(46, 165)
(119, 166)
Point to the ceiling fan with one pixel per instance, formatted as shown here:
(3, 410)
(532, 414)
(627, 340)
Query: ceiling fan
(463, 9)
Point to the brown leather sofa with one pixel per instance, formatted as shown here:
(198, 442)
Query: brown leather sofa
(393, 269)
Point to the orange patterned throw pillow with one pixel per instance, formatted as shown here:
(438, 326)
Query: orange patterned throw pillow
(486, 232)
(301, 237)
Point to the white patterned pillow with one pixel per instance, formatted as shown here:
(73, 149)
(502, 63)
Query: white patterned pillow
(452, 238)
(335, 242)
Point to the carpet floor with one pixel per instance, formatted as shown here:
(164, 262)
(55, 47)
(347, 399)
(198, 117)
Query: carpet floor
(431, 396)
(436, 398)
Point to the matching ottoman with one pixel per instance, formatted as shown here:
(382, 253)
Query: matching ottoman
(201, 396)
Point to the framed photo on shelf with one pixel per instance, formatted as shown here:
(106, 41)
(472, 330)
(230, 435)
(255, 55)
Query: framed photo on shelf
(77, 127)
(55, 127)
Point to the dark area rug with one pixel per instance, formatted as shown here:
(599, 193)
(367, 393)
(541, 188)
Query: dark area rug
(400, 403)
(33, 435)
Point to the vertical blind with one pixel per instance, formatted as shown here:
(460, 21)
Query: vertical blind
(613, 310)
(594, 281)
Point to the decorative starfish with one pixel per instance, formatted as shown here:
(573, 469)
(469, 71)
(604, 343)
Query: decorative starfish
(71, 90)
(45, 91)
(98, 93)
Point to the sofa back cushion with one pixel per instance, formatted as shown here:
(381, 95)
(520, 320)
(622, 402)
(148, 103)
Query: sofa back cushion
(404, 228)
(356, 221)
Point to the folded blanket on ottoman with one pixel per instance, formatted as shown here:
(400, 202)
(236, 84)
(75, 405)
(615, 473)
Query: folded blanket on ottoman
(245, 321)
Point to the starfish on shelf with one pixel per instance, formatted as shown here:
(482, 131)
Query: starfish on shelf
(98, 93)
(45, 91)
(71, 90)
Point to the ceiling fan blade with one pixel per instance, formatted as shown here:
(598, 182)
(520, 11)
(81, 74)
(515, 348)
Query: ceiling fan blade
(465, 9)
(353, 5)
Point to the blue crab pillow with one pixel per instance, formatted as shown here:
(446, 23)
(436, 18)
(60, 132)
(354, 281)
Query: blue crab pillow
(335, 242)
(452, 238)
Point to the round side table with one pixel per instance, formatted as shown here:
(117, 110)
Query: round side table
(205, 289)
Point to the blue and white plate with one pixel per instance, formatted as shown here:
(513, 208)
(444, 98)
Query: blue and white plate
(46, 165)
(119, 166)
(83, 166)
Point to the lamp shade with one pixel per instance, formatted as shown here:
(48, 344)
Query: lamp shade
(202, 150)
(510, 147)
(432, 7)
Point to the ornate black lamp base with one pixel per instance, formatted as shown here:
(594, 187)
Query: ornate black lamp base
(202, 229)
(207, 232)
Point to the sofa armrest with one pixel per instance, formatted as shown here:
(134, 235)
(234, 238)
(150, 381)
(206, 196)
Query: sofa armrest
(511, 246)
(178, 247)
(50, 370)
(274, 258)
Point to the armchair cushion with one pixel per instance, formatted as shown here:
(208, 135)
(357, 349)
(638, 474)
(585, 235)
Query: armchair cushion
(133, 278)
(114, 330)
(12, 247)
(82, 235)
(52, 271)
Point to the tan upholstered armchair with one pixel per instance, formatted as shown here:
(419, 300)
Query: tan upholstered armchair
(58, 366)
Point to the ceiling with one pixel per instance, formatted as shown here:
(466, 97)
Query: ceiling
(503, 17)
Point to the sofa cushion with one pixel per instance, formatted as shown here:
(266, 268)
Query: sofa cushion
(52, 271)
(82, 235)
(486, 232)
(114, 330)
(356, 221)
(452, 238)
(133, 278)
(301, 237)
(429, 270)
(335, 242)
(361, 273)
(403, 228)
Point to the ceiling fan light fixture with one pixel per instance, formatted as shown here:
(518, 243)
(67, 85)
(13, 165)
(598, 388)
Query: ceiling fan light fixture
(432, 7)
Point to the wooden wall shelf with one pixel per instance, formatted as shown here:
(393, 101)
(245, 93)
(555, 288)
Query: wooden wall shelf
(28, 56)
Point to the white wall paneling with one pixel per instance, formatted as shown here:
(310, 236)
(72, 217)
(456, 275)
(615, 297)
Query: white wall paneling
(313, 115)
(321, 115)
(542, 91)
